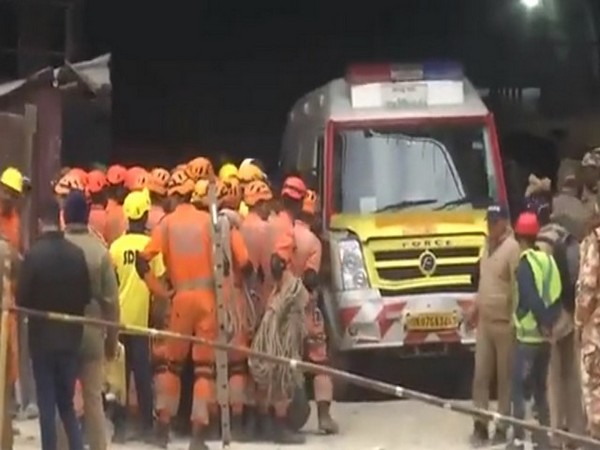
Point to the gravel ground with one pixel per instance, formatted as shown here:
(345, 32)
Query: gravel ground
(392, 425)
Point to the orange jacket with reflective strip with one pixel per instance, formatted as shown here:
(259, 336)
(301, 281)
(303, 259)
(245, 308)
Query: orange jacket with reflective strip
(10, 228)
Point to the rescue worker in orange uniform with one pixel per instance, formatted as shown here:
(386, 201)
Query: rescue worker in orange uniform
(306, 264)
(12, 187)
(157, 185)
(233, 293)
(96, 192)
(254, 229)
(281, 246)
(184, 239)
(116, 222)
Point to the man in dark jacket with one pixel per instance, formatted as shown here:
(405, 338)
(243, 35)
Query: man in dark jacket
(54, 278)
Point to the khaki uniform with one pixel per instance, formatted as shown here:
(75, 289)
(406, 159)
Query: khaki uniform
(571, 213)
(589, 199)
(587, 324)
(564, 383)
(105, 305)
(495, 331)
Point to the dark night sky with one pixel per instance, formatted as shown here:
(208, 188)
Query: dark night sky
(222, 80)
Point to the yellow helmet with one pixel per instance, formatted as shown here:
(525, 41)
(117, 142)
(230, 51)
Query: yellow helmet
(250, 172)
(228, 171)
(136, 204)
(200, 194)
(13, 179)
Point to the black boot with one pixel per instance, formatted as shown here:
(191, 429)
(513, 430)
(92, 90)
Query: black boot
(480, 435)
(250, 424)
(282, 434)
(119, 421)
(198, 439)
(161, 435)
(237, 428)
(326, 423)
(264, 426)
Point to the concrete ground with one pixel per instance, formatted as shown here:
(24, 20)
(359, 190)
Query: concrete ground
(391, 425)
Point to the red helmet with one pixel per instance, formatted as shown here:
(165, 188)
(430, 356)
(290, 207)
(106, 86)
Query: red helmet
(96, 182)
(294, 188)
(527, 225)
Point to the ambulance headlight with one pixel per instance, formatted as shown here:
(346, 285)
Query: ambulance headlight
(354, 274)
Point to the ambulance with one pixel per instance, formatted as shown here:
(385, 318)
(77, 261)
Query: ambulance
(406, 159)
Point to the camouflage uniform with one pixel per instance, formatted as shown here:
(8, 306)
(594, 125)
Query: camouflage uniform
(587, 324)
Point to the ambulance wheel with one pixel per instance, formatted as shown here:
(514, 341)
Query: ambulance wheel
(299, 409)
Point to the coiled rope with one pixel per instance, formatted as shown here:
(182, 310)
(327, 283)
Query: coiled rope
(281, 333)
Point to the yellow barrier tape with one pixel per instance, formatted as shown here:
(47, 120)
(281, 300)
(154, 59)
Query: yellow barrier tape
(378, 386)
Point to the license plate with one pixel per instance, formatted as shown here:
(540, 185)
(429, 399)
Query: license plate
(432, 321)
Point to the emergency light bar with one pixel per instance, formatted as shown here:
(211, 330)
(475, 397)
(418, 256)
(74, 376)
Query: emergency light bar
(394, 86)
(382, 73)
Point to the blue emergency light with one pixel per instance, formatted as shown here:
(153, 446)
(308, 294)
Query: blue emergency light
(426, 71)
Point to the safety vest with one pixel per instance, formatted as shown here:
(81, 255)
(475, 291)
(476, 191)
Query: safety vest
(548, 285)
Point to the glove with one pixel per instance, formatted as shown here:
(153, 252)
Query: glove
(310, 280)
(277, 266)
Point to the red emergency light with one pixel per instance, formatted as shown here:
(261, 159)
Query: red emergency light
(390, 72)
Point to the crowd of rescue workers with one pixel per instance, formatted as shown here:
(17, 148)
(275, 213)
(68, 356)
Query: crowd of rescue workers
(132, 245)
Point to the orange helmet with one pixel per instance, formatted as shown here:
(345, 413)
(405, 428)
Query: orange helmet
(200, 194)
(96, 182)
(136, 179)
(233, 195)
(250, 172)
(68, 183)
(158, 181)
(180, 183)
(257, 191)
(199, 168)
(294, 188)
(116, 175)
(79, 173)
(310, 202)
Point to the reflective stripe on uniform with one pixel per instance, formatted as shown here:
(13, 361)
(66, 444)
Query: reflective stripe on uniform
(194, 284)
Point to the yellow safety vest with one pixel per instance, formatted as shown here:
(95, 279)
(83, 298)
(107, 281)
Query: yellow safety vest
(549, 287)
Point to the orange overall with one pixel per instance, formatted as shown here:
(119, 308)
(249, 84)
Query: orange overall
(308, 257)
(97, 220)
(183, 237)
(10, 228)
(238, 368)
(116, 222)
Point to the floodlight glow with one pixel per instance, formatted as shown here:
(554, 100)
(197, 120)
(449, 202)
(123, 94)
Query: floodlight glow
(531, 3)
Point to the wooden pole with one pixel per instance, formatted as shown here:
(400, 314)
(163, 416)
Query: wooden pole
(4, 334)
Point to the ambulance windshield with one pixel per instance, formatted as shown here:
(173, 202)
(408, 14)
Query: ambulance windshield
(413, 167)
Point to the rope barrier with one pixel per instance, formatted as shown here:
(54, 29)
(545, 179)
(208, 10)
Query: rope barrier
(358, 380)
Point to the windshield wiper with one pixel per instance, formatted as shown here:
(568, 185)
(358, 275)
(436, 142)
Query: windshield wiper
(460, 201)
(406, 204)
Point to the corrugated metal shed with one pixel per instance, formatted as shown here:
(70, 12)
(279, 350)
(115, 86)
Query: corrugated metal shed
(94, 74)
